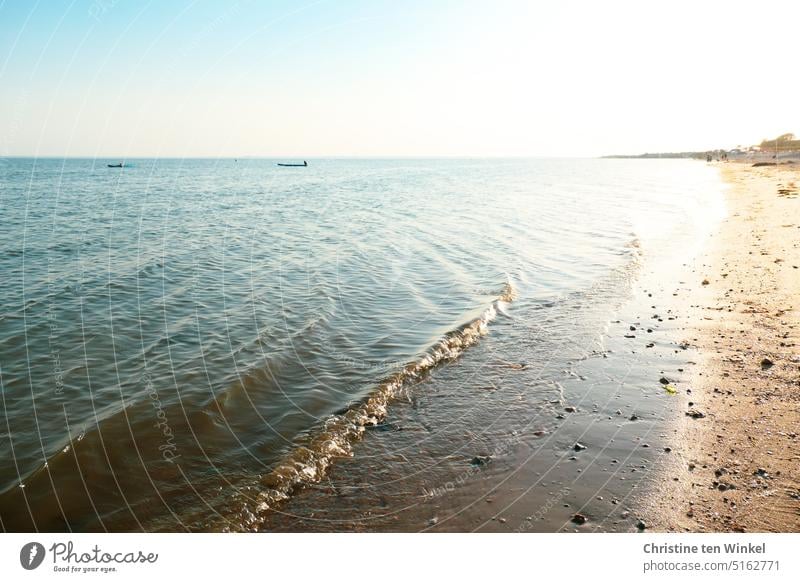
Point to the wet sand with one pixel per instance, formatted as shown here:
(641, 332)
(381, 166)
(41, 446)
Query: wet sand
(736, 462)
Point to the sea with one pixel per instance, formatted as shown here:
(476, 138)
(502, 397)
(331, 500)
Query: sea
(355, 345)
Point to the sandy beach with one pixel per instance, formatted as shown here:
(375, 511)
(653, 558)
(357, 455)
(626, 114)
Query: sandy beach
(736, 467)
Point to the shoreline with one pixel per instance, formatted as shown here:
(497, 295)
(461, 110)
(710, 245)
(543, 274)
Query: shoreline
(559, 419)
(735, 466)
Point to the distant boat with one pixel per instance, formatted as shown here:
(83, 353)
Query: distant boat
(119, 165)
(303, 165)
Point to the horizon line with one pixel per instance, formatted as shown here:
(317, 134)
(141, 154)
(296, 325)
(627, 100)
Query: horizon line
(335, 157)
(277, 157)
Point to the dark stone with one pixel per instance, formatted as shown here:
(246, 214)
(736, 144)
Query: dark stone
(579, 518)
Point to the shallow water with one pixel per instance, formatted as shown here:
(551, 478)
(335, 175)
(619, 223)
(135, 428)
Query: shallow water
(199, 344)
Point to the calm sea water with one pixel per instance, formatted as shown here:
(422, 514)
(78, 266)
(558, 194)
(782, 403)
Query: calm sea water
(188, 344)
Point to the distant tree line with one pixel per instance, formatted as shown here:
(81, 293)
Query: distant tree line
(782, 143)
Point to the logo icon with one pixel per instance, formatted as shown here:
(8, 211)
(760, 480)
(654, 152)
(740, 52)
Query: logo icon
(31, 555)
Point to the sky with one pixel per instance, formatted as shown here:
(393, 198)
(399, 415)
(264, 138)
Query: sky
(124, 78)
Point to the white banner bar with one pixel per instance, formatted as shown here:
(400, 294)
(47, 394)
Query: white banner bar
(389, 557)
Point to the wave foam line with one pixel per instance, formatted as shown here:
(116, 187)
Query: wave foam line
(309, 463)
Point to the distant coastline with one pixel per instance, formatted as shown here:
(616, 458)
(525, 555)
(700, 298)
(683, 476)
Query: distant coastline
(668, 155)
(782, 156)
(783, 147)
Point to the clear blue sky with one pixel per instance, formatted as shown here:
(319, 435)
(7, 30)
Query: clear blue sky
(179, 78)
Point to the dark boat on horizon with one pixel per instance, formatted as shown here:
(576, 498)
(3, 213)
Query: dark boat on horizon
(119, 165)
(303, 165)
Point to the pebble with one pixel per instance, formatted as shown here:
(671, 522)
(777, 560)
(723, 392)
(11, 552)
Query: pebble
(579, 447)
(579, 518)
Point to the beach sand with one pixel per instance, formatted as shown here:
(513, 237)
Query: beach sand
(737, 467)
